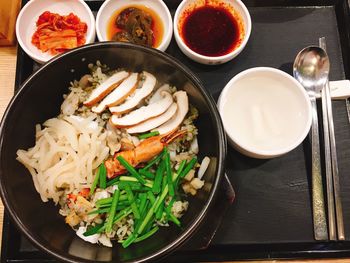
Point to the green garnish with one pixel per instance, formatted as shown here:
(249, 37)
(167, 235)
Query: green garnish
(140, 192)
(181, 166)
(95, 182)
(131, 199)
(103, 176)
(154, 160)
(169, 174)
(147, 135)
(93, 230)
(99, 211)
(146, 174)
(113, 182)
(158, 179)
(159, 213)
(147, 235)
(112, 211)
(131, 169)
(129, 240)
(188, 167)
(174, 219)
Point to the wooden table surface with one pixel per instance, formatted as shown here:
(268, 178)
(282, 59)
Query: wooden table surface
(7, 78)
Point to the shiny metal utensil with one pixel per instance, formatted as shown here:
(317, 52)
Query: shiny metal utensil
(347, 103)
(311, 68)
(334, 188)
(328, 159)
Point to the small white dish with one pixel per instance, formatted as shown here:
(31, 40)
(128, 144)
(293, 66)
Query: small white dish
(26, 23)
(235, 7)
(265, 112)
(109, 7)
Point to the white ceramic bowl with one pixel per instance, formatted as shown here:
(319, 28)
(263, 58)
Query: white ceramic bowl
(265, 112)
(236, 5)
(109, 7)
(26, 22)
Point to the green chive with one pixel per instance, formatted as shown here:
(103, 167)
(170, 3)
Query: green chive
(170, 205)
(113, 182)
(146, 219)
(147, 235)
(104, 201)
(159, 213)
(149, 225)
(146, 174)
(117, 218)
(181, 166)
(128, 178)
(143, 202)
(99, 211)
(135, 186)
(129, 240)
(103, 174)
(94, 230)
(155, 206)
(147, 135)
(154, 160)
(164, 193)
(131, 199)
(148, 183)
(108, 201)
(188, 167)
(158, 179)
(131, 169)
(151, 197)
(175, 220)
(122, 214)
(164, 182)
(95, 182)
(112, 211)
(169, 174)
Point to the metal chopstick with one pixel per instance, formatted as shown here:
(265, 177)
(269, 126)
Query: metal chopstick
(347, 103)
(334, 162)
(328, 162)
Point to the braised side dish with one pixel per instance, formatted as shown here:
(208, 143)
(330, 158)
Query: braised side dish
(56, 34)
(136, 24)
(120, 158)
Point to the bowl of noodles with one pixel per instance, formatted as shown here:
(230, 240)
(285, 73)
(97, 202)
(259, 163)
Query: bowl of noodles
(111, 152)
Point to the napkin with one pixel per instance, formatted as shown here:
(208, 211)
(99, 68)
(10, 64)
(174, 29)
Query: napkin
(340, 89)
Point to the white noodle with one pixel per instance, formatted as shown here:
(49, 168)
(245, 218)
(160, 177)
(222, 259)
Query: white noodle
(65, 154)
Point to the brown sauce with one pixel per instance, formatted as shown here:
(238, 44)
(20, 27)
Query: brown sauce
(211, 30)
(156, 26)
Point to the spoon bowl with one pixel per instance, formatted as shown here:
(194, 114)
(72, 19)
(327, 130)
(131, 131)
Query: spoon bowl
(311, 69)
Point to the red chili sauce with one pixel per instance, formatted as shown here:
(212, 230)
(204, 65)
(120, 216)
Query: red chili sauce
(211, 31)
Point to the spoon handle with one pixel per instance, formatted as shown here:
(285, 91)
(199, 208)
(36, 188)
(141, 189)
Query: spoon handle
(318, 207)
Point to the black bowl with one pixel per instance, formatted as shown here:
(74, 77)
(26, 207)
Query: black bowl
(39, 98)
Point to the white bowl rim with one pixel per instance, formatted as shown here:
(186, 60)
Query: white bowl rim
(232, 54)
(279, 151)
(168, 31)
(89, 37)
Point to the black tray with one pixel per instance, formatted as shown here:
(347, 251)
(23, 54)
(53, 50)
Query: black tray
(271, 217)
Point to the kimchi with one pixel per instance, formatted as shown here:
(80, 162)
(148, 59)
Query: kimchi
(56, 34)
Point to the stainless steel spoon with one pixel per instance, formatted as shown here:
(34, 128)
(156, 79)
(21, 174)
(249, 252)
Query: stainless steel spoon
(311, 69)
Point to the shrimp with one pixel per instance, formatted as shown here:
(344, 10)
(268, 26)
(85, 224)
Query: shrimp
(144, 152)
